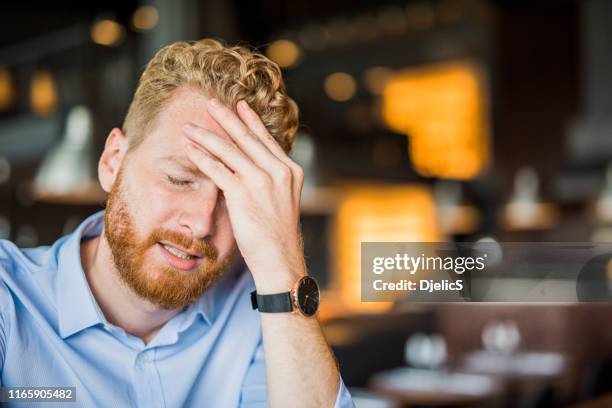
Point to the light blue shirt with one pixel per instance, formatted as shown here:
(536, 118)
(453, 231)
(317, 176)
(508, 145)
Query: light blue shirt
(53, 334)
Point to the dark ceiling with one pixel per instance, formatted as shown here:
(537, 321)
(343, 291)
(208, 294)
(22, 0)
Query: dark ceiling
(256, 21)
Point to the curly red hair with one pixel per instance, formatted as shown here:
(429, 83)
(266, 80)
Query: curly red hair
(228, 73)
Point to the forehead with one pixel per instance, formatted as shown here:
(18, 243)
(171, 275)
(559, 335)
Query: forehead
(167, 137)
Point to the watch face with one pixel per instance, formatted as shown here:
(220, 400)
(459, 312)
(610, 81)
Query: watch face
(308, 296)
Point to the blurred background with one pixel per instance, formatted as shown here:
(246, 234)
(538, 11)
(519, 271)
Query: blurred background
(422, 120)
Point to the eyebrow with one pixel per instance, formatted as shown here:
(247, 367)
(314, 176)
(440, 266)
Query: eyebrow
(183, 163)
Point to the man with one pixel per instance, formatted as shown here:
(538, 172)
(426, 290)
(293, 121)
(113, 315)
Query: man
(149, 303)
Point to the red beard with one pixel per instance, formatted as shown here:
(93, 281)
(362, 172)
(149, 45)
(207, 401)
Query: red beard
(163, 286)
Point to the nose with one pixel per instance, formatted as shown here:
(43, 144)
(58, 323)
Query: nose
(197, 212)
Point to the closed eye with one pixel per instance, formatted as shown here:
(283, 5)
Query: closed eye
(179, 182)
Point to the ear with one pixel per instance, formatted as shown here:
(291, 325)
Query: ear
(111, 158)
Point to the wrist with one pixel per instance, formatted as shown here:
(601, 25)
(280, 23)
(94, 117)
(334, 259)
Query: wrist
(278, 273)
(276, 281)
(302, 299)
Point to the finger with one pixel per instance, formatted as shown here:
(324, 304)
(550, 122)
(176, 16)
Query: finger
(224, 150)
(244, 137)
(213, 168)
(253, 121)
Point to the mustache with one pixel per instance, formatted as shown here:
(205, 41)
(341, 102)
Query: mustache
(203, 248)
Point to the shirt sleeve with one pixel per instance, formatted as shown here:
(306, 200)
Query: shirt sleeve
(254, 387)
(344, 399)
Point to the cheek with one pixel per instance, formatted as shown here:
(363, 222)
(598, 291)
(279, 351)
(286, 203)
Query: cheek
(153, 204)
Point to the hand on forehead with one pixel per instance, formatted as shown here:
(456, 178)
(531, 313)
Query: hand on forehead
(186, 106)
(189, 106)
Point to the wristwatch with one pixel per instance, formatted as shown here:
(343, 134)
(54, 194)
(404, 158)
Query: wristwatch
(303, 299)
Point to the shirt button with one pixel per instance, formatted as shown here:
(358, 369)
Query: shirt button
(142, 358)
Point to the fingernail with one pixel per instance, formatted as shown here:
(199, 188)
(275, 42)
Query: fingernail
(189, 146)
(189, 127)
(243, 104)
(214, 102)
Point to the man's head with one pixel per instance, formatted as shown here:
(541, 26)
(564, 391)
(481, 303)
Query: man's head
(166, 224)
(228, 73)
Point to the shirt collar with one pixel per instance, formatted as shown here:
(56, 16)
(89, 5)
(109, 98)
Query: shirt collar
(77, 307)
(205, 305)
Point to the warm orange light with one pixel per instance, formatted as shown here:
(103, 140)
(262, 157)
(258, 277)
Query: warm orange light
(443, 109)
(284, 52)
(43, 93)
(145, 18)
(107, 32)
(340, 86)
(379, 213)
(375, 79)
(7, 92)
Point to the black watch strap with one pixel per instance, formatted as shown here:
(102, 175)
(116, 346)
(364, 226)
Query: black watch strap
(276, 303)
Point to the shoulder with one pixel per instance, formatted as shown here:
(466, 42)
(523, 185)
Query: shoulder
(26, 271)
(14, 259)
(8, 254)
(8, 251)
(7, 304)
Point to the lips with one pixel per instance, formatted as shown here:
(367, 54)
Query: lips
(180, 250)
(179, 258)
